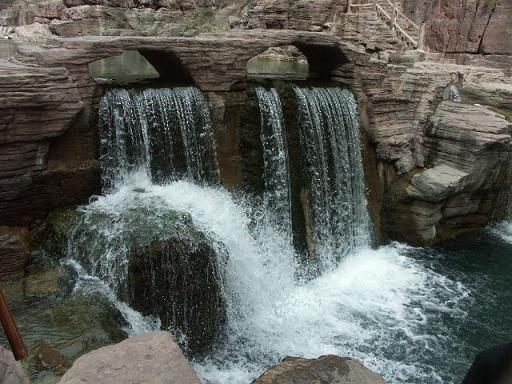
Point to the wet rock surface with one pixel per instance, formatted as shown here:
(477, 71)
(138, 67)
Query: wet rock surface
(57, 324)
(178, 281)
(324, 370)
(146, 358)
(161, 264)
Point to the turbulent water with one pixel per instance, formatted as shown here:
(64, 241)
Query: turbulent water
(329, 132)
(276, 199)
(400, 310)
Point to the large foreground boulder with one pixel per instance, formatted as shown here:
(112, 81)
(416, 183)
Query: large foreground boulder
(328, 369)
(11, 371)
(146, 358)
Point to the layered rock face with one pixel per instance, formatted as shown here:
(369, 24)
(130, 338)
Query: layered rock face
(69, 18)
(467, 152)
(469, 26)
(300, 15)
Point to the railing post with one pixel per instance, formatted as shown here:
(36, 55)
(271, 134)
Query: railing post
(421, 38)
(11, 331)
(393, 18)
(349, 3)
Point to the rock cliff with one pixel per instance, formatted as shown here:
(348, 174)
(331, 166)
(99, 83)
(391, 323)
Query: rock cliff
(468, 26)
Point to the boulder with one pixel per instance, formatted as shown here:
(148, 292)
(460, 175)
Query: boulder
(435, 184)
(160, 263)
(146, 358)
(464, 135)
(11, 371)
(178, 280)
(35, 32)
(467, 155)
(328, 369)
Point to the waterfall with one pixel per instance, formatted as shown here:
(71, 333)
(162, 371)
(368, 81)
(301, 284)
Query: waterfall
(158, 162)
(329, 133)
(455, 94)
(166, 133)
(150, 254)
(276, 198)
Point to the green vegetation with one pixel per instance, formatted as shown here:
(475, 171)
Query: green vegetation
(491, 3)
(203, 20)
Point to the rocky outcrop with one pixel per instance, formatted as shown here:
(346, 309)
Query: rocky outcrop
(70, 18)
(469, 26)
(324, 370)
(161, 264)
(178, 280)
(368, 31)
(467, 155)
(145, 358)
(11, 371)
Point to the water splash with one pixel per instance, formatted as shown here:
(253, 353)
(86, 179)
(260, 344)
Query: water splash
(329, 133)
(91, 285)
(276, 198)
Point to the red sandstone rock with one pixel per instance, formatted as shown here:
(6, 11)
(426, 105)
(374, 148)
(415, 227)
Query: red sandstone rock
(328, 369)
(146, 358)
(469, 26)
(11, 371)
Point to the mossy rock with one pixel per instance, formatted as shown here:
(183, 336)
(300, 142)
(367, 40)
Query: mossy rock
(58, 332)
(41, 284)
(49, 239)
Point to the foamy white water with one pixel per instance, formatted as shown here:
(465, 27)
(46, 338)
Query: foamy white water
(91, 285)
(503, 230)
(374, 306)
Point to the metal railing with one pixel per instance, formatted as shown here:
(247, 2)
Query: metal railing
(390, 13)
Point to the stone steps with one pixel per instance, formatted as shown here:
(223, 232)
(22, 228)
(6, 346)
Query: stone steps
(388, 8)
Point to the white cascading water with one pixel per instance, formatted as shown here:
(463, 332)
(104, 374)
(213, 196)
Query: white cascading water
(455, 94)
(164, 132)
(276, 198)
(371, 304)
(329, 133)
